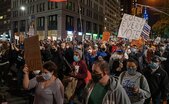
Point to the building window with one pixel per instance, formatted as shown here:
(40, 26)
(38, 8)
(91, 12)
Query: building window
(41, 7)
(79, 24)
(95, 16)
(15, 25)
(89, 13)
(83, 1)
(41, 23)
(89, 3)
(88, 26)
(82, 10)
(100, 29)
(95, 7)
(69, 23)
(52, 5)
(95, 30)
(52, 22)
(101, 19)
(22, 25)
(70, 6)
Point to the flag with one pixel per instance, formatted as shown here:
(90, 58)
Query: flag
(57, 0)
(146, 31)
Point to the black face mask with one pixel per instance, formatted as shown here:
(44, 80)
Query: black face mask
(103, 49)
(96, 77)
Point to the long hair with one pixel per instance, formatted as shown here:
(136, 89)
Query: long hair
(51, 67)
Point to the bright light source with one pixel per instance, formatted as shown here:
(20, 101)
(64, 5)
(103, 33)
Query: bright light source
(1, 17)
(22, 8)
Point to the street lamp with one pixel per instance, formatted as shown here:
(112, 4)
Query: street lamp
(23, 8)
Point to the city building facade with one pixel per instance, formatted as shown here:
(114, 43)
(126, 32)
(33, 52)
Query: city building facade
(112, 15)
(74, 18)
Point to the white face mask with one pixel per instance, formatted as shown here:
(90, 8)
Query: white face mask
(46, 76)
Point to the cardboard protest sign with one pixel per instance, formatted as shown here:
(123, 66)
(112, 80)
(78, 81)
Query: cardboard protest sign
(32, 53)
(131, 27)
(139, 43)
(106, 36)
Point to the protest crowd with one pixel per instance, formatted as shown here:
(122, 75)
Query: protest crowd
(89, 72)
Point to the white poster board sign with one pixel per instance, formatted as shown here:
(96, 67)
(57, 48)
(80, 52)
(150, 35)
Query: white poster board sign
(131, 27)
(157, 40)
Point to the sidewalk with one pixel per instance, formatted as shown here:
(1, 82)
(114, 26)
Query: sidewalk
(13, 97)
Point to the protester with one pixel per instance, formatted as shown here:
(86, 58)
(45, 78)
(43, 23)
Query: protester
(158, 81)
(79, 73)
(49, 89)
(117, 62)
(91, 57)
(134, 83)
(104, 89)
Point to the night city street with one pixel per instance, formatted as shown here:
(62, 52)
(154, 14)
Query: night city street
(84, 51)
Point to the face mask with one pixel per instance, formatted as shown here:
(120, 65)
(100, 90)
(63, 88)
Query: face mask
(96, 77)
(103, 49)
(46, 76)
(76, 58)
(154, 65)
(131, 71)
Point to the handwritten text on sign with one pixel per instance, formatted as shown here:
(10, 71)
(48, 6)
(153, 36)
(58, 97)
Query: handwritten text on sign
(131, 27)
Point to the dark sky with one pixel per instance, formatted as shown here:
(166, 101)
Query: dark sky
(154, 16)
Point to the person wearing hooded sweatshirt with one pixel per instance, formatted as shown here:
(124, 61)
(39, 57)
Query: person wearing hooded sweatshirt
(104, 89)
(134, 83)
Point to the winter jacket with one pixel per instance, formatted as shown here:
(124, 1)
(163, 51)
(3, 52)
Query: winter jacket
(158, 82)
(115, 94)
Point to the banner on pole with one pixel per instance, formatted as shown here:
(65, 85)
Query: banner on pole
(131, 27)
(32, 53)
